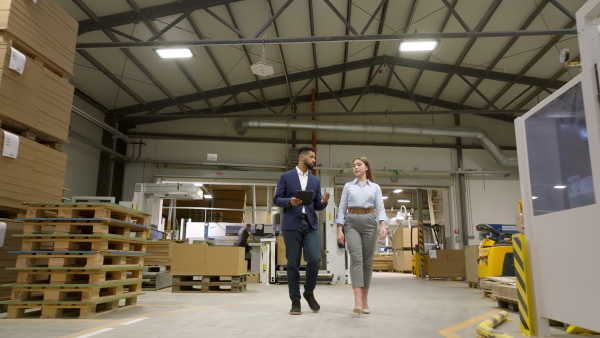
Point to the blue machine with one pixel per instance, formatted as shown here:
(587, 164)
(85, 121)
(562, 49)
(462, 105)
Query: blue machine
(504, 228)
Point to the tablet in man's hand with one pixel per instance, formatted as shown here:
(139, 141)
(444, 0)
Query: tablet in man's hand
(305, 196)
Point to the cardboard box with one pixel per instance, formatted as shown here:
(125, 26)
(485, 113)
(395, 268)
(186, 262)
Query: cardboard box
(43, 27)
(253, 277)
(225, 261)
(456, 263)
(8, 260)
(38, 101)
(471, 266)
(281, 257)
(36, 175)
(162, 253)
(401, 238)
(383, 263)
(188, 259)
(403, 260)
(447, 263)
(437, 263)
(230, 199)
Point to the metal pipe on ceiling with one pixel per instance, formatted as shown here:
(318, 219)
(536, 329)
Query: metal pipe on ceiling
(316, 39)
(242, 126)
(100, 124)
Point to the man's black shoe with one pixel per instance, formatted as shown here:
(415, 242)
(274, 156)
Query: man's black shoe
(312, 302)
(295, 310)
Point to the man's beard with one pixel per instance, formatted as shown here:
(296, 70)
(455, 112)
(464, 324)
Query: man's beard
(309, 165)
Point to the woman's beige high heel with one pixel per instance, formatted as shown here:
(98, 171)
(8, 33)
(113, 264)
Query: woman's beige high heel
(366, 311)
(358, 310)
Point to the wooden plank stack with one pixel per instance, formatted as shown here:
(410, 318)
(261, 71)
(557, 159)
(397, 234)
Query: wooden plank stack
(8, 260)
(35, 105)
(78, 259)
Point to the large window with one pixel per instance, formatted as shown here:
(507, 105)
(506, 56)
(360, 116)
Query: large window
(559, 156)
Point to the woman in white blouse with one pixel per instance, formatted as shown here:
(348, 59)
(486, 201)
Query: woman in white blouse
(361, 211)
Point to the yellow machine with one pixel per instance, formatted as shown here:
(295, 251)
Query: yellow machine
(495, 254)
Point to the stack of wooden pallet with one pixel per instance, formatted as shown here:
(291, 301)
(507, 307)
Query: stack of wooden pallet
(78, 259)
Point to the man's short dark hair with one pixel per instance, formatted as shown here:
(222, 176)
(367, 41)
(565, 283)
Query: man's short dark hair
(305, 150)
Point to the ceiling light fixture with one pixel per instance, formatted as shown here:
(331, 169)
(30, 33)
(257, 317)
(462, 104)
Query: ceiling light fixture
(397, 191)
(417, 46)
(207, 196)
(533, 197)
(404, 201)
(560, 186)
(174, 53)
(385, 197)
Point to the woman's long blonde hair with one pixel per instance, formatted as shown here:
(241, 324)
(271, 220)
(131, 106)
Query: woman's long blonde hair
(366, 162)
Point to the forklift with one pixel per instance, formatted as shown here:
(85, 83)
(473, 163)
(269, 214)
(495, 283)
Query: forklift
(496, 253)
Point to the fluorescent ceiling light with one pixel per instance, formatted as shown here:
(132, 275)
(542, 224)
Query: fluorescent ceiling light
(174, 53)
(560, 186)
(404, 201)
(397, 191)
(415, 46)
(385, 197)
(198, 184)
(533, 197)
(207, 196)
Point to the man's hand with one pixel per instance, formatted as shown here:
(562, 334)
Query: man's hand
(295, 201)
(325, 197)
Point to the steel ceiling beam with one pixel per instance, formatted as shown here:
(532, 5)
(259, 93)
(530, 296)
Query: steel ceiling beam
(337, 97)
(456, 16)
(384, 5)
(147, 13)
(341, 17)
(366, 87)
(284, 63)
(272, 18)
(346, 44)
(227, 24)
(302, 76)
(328, 39)
(480, 26)
(409, 19)
(170, 25)
(226, 112)
(379, 8)
(477, 91)
(312, 33)
(563, 9)
(530, 64)
(506, 48)
(408, 91)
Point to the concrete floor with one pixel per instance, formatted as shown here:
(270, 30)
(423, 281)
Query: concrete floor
(401, 306)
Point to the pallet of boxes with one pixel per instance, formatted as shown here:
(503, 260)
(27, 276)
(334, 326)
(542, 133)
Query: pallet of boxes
(158, 265)
(77, 260)
(401, 243)
(37, 51)
(446, 265)
(200, 268)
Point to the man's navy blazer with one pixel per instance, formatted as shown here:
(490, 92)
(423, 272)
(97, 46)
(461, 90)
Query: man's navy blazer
(288, 185)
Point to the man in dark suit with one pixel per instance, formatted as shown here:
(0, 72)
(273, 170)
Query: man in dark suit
(299, 225)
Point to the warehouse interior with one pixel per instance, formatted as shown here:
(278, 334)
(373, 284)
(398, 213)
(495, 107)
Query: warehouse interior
(126, 175)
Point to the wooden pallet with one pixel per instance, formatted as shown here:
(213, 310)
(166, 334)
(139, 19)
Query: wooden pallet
(91, 226)
(86, 210)
(58, 309)
(75, 259)
(77, 276)
(82, 242)
(507, 303)
(473, 285)
(230, 284)
(486, 294)
(74, 292)
(384, 270)
(208, 288)
(403, 271)
(459, 279)
(283, 267)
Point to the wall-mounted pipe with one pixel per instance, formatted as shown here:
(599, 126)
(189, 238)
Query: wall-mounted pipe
(242, 126)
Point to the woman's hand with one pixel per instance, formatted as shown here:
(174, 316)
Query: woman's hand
(383, 232)
(340, 236)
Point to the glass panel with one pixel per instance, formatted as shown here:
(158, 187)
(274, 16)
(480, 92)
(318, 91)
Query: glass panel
(559, 157)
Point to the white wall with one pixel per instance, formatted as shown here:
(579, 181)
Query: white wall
(82, 160)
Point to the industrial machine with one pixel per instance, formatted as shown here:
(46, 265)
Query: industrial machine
(495, 253)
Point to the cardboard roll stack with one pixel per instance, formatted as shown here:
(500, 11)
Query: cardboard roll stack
(77, 260)
(37, 50)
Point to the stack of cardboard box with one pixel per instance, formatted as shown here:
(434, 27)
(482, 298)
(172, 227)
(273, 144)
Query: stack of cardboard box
(35, 103)
(281, 259)
(446, 263)
(230, 199)
(161, 253)
(401, 243)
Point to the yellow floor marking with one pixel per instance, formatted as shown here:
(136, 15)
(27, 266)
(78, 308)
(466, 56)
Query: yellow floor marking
(449, 332)
(119, 322)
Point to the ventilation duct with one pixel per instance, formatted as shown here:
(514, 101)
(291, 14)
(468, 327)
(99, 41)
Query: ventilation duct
(242, 126)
